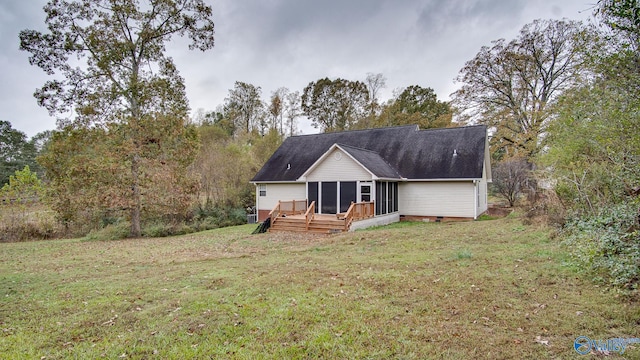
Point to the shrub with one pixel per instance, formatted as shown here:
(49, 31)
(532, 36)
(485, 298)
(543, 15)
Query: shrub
(24, 223)
(157, 230)
(607, 244)
(117, 231)
(211, 216)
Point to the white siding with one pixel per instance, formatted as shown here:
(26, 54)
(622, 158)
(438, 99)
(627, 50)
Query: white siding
(481, 185)
(482, 196)
(452, 199)
(338, 166)
(276, 192)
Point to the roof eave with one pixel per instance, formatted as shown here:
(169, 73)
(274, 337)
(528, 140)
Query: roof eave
(444, 179)
(254, 182)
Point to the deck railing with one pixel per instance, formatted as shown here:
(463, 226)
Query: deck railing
(310, 214)
(293, 207)
(358, 211)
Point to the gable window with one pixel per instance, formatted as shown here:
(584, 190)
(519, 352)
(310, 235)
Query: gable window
(262, 189)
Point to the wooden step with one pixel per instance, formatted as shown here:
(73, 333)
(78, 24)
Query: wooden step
(315, 225)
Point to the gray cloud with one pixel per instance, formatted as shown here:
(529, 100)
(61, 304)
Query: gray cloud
(274, 43)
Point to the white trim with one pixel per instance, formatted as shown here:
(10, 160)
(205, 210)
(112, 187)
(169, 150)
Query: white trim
(256, 183)
(443, 180)
(475, 199)
(486, 165)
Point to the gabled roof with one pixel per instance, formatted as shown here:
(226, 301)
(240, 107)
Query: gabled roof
(450, 153)
(371, 161)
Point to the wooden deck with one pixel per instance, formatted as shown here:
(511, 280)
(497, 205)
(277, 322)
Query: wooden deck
(295, 215)
(324, 224)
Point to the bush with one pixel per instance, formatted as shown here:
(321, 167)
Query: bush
(608, 244)
(24, 223)
(211, 216)
(117, 231)
(157, 230)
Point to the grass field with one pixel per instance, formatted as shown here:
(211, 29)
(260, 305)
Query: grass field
(489, 289)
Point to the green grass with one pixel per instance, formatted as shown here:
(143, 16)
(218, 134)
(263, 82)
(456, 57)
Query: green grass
(490, 289)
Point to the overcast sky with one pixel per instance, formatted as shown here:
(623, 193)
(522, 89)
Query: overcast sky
(275, 43)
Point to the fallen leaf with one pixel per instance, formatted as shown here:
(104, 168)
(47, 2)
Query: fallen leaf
(540, 340)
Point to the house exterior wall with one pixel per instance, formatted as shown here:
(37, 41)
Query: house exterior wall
(375, 221)
(275, 193)
(446, 199)
(482, 195)
(338, 166)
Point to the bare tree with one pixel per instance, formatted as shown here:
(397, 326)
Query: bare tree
(511, 178)
(374, 82)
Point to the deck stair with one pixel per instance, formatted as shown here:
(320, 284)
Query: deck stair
(320, 224)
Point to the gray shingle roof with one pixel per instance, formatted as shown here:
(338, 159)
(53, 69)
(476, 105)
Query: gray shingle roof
(372, 161)
(451, 153)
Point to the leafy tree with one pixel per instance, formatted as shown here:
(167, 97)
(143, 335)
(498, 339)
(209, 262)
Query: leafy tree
(292, 111)
(23, 186)
(244, 107)
(16, 151)
(594, 146)
(593, 154)
(112, 72)
(416, 105)
(510, 86)
(621, 62)
(89, 181)
(276, 109)
(41, 140)
(226, 164)
(335, 105)
(19, 215)
(623, 18)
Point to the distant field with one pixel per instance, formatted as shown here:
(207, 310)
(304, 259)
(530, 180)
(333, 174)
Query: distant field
(489, 289)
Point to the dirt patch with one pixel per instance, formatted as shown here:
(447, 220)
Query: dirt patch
(498, 211)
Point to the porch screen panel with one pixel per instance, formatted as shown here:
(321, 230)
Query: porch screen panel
(382, 197)
(348, 194)
(385, 197)
(395, 196)
(378, 198)
(329, 197)
(312, 191)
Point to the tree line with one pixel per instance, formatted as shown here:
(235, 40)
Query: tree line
(560, 101)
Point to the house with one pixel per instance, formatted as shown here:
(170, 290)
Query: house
(382, 175)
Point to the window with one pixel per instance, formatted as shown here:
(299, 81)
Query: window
(365, 192)
(262, 188)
